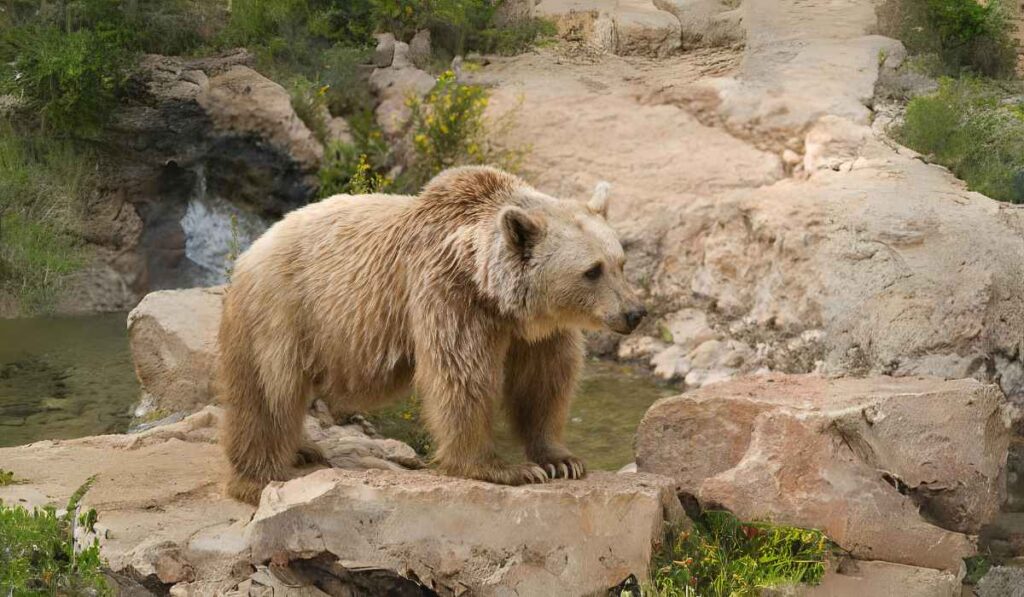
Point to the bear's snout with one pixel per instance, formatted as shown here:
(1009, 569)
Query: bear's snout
(633, 317)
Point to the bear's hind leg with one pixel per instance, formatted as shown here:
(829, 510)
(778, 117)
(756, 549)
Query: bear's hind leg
(265, 407)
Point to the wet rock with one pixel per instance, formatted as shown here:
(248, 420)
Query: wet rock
(173, 337)
(460, 535)
(891, 469)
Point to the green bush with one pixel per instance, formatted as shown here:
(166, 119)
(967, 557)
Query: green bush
(449, 129)
(966, 35)
(38, 554)
(309, 100)
(976, 129)
(42, 182)
(71, 80)
(723, 557)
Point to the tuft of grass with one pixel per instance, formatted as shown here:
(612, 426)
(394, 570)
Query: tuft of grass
(976, 129)
(43, 182)
(965, 35)
(724, 557)
(40, 555)
(7, 478)
(403, 422)
(448, 128)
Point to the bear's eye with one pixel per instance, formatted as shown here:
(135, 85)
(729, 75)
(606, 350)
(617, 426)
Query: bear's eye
(594, 272)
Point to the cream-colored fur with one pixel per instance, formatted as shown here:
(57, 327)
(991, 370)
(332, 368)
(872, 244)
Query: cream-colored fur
(475, 290)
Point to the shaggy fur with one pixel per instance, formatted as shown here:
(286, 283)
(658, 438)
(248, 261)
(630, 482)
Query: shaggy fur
(477, 288)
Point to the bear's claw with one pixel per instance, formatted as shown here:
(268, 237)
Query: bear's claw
(568, 467)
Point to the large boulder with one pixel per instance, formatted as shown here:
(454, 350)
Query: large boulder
(558, 538)
(899, 470)
(173, 337)
(883, 579)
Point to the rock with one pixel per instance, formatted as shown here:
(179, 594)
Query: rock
(891, 469)
(163, 516)
(624, 27)
(639, 347)
(705, 23)
(833, 143)
(189, 130)
(689, 328)
(385, 51)
(463, 535)
(1002, 581)
(419, 49)
(671, 364)
(394, 85)
(882, 579)
(242, 101)
(173, 337)
(339, 131)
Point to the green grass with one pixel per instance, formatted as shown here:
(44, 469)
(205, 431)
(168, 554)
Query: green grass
(724, 557)
(39, 556)
(42, 185)
(975, 128)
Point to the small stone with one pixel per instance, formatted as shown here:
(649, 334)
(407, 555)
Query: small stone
(671, 363)
(419, 48)
(385, 52)
(639, 347)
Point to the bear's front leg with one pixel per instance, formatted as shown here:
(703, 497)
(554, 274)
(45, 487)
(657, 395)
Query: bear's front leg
(458, 373)
(540, 378)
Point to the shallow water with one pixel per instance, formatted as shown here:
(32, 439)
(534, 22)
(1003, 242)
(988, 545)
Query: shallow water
(66, 377)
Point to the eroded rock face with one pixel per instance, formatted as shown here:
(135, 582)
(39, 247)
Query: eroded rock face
(559, 538)
(860, 579)
(900, 470)
(187, 130)
(173, 337)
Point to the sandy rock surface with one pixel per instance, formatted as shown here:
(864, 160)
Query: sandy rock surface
(900, 470)
(752, 185)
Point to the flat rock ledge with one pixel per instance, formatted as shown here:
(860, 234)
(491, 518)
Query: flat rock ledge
(456, 535)
(893, 469)
(165, 523)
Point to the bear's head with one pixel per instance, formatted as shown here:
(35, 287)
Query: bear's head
(549, 263)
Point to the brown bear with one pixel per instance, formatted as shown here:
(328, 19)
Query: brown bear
(478, 288)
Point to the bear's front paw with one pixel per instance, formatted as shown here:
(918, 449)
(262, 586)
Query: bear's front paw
(503, 473)
(563, 467)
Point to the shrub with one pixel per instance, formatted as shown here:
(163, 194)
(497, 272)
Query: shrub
(512, 39)
(70, 79)
(449, 129)
(967, 35)
(310, 104)
(39, 554)
(347, 90)
(723, 557)
(346, 171)
(42, 182)
(974, 128)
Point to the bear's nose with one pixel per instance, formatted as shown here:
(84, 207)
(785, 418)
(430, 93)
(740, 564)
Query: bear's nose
(634, 317)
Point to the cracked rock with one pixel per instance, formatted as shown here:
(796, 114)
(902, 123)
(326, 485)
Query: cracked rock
(895, 469)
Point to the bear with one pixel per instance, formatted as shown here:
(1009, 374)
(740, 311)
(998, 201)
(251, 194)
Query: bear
(475, 291)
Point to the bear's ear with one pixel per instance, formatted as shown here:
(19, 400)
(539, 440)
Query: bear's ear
(598, 204)
(520, 230)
